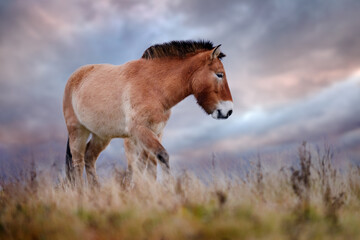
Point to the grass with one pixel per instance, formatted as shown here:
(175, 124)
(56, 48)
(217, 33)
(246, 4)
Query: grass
(311, 200)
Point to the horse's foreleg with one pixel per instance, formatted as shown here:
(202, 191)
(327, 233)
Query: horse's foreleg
(151, 143)
(164, 168)
(77, 140)
(93, 149)
(148, 161)
(138, 158)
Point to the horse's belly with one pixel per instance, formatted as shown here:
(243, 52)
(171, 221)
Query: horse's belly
(107, 120)
(104, 124)
(104, 127)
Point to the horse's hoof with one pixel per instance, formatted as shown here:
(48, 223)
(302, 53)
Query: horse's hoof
(163, 157)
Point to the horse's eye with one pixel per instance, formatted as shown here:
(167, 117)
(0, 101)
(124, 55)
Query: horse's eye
(220, 75)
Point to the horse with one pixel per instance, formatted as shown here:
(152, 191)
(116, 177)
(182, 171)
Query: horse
(134, 100)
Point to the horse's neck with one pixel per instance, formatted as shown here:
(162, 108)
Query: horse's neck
(178, 86)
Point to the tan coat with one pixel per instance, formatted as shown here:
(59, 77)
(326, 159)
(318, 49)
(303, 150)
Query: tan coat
(133, 101)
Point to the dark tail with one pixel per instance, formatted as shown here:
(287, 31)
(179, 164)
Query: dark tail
(69, 163)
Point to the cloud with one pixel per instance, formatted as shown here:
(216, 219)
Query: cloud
(329, 114)
(44, 42)
(281, 50)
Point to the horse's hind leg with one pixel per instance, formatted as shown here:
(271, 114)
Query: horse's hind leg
(93, 149)
(78, 136)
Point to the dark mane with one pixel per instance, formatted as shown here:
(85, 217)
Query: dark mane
(178, 49)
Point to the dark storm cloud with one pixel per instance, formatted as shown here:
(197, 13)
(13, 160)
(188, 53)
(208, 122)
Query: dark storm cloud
(279, 31)
(298, 46)
(42, 43)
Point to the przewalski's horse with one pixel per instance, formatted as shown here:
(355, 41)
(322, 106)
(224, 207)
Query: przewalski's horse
(133, 101)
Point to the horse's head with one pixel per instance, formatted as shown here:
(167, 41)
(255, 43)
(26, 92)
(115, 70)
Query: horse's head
(210, 87)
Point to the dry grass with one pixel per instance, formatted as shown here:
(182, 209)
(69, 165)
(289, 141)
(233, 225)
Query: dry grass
(311, 200)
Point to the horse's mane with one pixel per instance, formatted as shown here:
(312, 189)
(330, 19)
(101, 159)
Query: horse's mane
(178, 49)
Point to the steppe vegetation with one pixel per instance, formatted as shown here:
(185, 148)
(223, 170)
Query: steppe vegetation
(309, 200)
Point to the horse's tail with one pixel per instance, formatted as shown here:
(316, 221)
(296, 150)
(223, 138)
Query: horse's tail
(69, 163)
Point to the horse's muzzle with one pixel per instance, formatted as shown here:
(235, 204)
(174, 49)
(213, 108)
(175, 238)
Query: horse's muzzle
(223, 110)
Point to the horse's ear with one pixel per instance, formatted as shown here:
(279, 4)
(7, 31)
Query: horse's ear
(216, 52)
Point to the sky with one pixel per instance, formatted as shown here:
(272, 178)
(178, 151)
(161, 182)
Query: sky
(293, 68)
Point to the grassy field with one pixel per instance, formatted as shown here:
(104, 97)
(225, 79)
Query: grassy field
(311, 200)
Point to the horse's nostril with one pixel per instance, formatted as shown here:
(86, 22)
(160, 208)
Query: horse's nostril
(229, 113)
